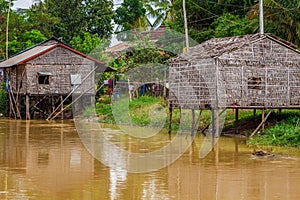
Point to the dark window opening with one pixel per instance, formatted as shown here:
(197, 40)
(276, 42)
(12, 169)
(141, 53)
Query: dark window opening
(254, 83)
(44, 79)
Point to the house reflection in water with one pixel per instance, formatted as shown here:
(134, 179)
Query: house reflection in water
(42, 157)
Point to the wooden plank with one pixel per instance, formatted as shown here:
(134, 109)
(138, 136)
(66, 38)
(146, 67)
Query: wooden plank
(264, 120)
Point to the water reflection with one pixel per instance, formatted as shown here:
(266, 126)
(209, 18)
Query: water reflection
(46, 160)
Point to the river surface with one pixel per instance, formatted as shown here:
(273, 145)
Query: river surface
(47, 160)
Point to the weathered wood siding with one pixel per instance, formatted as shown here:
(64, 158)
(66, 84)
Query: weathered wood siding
(263, 73)
(192, 85)
(60, 63)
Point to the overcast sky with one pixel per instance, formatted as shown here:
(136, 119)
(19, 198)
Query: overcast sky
(22, 3)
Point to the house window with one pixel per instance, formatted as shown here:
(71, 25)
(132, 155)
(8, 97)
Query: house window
(254, 83)
(44, 78)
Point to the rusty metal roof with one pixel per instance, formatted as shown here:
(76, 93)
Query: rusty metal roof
(25, 55)
(43, 47)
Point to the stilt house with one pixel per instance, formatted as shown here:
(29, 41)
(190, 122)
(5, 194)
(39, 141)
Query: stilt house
(39, 78)
(251, 71)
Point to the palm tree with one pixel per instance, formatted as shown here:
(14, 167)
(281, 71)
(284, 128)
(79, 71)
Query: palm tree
(281, 18)
(146, 14)
(156, 12)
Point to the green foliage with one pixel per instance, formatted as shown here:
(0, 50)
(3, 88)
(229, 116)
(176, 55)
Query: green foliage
(70, 18)
(86, 43)
(231, 25)
(3, 101)
(144, 51)
(130, 15)
(285, 132)
(25, 40)
(281, 18)
(201, 15)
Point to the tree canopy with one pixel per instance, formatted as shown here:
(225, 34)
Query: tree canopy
(84, 23)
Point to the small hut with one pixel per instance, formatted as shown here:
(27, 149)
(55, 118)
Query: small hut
(258, 71)
(38, 79)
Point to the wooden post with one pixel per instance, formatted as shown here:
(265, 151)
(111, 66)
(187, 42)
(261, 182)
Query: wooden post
(213, 127)
(170, 118)
(62, 107)
(180, 118)
(254, 112)
(263, 119)
(193, 122)
(279, 111)
(236, 121)
(27, 101)
(53, 103)
(129, 90)
(217, 123)
(165, 85)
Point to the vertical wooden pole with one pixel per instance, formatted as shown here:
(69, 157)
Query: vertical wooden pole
(53, 103)
(213, 127)
(279, 111)
(165, 85)
(170, 118)
(217, 123)
(261, 16)
(193, 122)
(62, 107)
(180, 118)
(254, 112)
(262, 119)
(129, 91)
(185, 26)
(236, 121)
(27, 101)
(7, 26)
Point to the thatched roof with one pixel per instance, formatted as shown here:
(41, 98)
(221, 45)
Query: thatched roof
(218, 46)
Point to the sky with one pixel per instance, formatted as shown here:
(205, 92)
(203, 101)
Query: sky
(22, 3)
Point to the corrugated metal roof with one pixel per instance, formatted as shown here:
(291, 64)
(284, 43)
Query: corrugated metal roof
(19, 58)
(43, 47)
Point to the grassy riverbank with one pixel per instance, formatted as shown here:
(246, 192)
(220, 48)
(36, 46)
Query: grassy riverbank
(282, 129)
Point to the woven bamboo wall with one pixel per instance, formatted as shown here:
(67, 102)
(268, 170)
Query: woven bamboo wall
(192, 85)
(263, 73)
(60, 63)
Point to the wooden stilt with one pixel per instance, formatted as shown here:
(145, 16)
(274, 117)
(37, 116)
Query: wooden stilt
(11, 107)
(207, 126)
(193, 123)
(62, 107)
(279, 111)
(53, 103)
(170, 118)
(92, 100)
(180, 118)
(27, 107)
(263, 121)
(129, 90)
(217, 123)
(254, 112)
(236, 121)
(213, 125)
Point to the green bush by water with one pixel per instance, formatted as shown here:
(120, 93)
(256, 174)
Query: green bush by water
(284, 131)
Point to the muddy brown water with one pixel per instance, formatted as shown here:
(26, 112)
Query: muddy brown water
(47, 160)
